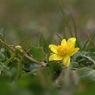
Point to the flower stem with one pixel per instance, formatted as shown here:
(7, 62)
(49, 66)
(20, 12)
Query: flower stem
(10, 59)
(28, 57)
(19, 67)
(1, 41)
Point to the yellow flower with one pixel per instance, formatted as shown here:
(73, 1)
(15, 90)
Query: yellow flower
(64, 51)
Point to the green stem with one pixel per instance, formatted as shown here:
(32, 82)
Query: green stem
(10, 59)
(19, 67)
(76, 35)
(1, 41)
(28, 57)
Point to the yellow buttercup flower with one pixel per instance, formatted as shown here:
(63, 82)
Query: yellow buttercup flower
(63, 51)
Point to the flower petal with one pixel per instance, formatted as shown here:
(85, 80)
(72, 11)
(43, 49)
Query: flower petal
(66, 61)
(63, 42)
(53, 48)
(55, 57)
(74, 51)
(71, 42)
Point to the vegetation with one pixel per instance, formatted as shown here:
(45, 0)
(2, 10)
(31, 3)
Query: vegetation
(30, 30)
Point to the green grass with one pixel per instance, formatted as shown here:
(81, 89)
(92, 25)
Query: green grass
(28, 71)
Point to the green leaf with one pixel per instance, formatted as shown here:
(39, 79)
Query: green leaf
(2, 57)
(43, 43)
(37, 53)
(86, 73)
(84, 58)
(89, 55)
(3, 66)
(55, 69)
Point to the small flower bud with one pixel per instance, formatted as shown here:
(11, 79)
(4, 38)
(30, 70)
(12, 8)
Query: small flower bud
(19, 48)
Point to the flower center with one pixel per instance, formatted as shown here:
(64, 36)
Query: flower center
(62, 50)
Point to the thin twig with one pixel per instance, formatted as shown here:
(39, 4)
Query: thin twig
(24, 54)
(34, 60)
(1, 41)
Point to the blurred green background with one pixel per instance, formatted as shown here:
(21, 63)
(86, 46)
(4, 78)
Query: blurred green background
(25, 19)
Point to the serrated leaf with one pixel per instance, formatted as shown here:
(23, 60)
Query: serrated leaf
(37, 53)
